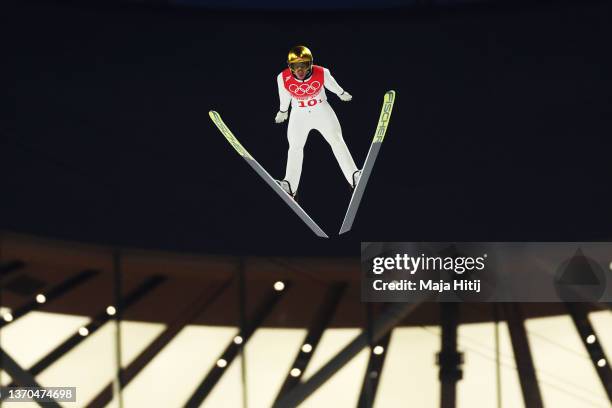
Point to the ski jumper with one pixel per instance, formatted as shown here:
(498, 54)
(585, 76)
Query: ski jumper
(310, 110)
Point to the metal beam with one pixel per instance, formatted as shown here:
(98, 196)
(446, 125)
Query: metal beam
(264, 308)
(321, 320)
(53, 293)
(10, 267)
(449, 359)
(522, 354)
(367, 389)
(498, 385)
(592, 344)
(97, 321)
(20, 376)
(242, 306)
(118, 301)
(371, 378)
(188, 315)
(388, 319)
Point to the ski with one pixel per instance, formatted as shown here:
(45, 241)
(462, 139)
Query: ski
(216, 118)
(368, 165)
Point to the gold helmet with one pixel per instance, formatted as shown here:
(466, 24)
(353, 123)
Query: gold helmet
(299, 54)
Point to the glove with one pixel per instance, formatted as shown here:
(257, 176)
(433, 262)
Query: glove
(345, 96)
(281, 116)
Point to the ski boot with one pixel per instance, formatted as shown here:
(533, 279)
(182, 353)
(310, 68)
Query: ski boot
(356, 178)
(284, 184)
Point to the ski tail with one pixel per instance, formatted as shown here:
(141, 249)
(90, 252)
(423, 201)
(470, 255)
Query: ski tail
(368, 165)
(270, 181)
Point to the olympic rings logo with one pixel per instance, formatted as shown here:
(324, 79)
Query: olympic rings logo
(305, 89)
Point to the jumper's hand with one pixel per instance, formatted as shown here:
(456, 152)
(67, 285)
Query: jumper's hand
(281, 116)
(345, 96)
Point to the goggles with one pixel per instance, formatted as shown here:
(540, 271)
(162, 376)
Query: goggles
(298, 65)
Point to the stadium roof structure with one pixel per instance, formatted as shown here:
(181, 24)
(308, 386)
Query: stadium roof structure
(258, 331)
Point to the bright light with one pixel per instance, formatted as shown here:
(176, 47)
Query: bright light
(8, 317)
(378, 350)
(590, 339)
(279, 286)
(601, 363)
(295, 372)
(610, 265)
(40, 298)
(221, 363)
(111, 310)
(83, 331)
(306, 348)
(238, 340)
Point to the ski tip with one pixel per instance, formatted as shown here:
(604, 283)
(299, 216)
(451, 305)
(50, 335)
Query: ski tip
(212, 113)
(344, 230)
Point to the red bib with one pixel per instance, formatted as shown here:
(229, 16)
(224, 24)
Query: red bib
(307, 89)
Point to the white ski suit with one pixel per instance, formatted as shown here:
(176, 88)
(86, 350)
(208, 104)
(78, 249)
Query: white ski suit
(310, 110)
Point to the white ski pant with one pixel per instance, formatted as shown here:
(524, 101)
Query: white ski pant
(301, 122)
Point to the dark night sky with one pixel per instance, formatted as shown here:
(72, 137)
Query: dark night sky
(501, 129)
